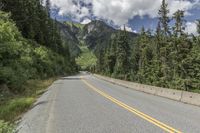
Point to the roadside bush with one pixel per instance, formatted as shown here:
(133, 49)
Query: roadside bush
(22, 59)
(11, 50)
(6, 127)
(14, 107)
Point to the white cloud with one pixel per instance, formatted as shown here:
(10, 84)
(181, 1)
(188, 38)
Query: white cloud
(135, 31)
(86, 21)
(174, 5)
(120, 11)
(129, 29)
(72, 8)
(191, 28)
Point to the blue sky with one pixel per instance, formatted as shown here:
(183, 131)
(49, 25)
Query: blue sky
(132, 13)
(137, 22)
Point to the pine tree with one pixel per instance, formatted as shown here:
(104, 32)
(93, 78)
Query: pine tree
(158, 39)
(122, 66)
(198, 31)
(191, 68)
(145, 55)
(48, 8)
(163, 17)
(1, 5)
(156, 63)
(181, 48)
(100, 62)
(179, 23)
(158, 30)
(135, 59)
(110, 56)
(164, 45)
(198, 27)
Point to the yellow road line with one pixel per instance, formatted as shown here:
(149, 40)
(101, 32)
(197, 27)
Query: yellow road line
(131, 109)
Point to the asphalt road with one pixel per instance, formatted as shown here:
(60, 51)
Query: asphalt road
(85, 104)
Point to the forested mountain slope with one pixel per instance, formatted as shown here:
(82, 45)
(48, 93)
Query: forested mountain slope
(96, 35)
(31, 44)
(69, 38)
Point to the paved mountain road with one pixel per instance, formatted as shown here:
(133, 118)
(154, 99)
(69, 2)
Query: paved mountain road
(85, 104)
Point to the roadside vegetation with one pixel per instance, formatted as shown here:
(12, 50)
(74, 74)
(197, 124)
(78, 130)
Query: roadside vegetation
(12, 105)
(32, 53)
(6, 127)
(168, 57)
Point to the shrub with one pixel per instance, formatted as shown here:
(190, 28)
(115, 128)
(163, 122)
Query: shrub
(14, 107)
(22, 59)
(6, 127)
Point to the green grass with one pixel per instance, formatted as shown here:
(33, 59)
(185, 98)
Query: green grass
(11, 108)
(87, 59)
(36, 87)
(6, 127)
(15, 107)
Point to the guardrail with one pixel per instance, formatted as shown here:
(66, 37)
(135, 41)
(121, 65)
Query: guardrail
(178, 95)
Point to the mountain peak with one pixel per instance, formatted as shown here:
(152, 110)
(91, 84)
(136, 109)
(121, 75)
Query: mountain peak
(95, 35)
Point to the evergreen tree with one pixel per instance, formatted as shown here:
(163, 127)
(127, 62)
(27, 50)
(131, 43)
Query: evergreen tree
(181, 46)
(100, 62)
(179, 23)
(158, 39)
(191, 68)
(122, 66)
(198, 26)
(48, 8)
(34, 21)
(163, 17)
(110, 56)
(145, 55)
(164, 45)
(198, 31)
(158, 31)
(1, 5)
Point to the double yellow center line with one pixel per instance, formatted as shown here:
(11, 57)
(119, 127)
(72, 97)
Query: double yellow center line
(133, 110)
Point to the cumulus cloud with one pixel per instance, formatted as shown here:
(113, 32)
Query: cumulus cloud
(185, 5)
(119, 11)
(191, 28)
(86, 21)
(72, 8)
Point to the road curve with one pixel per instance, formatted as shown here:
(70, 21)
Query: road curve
(85, 104)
